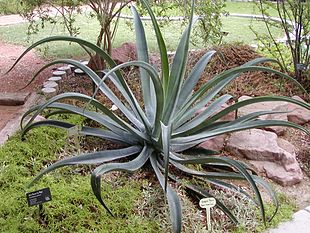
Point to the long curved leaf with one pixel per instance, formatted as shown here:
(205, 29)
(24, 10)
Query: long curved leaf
(131, 166)
(203, 193)
(148, 90)
(103, 87)
(157, 85)
(79, 41)
(220, 81)
(200, 137)
(100, 118)
(89, 158)
(162, 47)
(193, 79)
(86, 131)
(165, 135)
(238, 105)
(172, 197)
(177, 73)
(200, 118)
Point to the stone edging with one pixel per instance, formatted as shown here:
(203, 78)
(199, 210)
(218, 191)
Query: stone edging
(13, 125)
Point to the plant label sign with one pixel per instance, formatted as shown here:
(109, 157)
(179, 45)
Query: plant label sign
(208, 203)
(38, 197)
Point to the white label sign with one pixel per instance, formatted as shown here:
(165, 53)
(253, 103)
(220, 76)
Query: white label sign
(207, 202)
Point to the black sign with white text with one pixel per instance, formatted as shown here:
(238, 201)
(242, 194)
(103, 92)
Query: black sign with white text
(38, 197)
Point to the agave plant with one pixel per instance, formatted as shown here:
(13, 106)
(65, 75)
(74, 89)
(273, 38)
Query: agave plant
(165, 132)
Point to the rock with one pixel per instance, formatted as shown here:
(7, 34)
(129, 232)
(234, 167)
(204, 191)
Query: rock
(66, 69)
(13, 99)
(49, 91)
(297, 114)
(85, 63)
(59, 73)
(216, 143)
(267, 153)
(78, 72)
(50, 84)
(262, 106)
(126, 52)
(39, 118)
(229, 117)
(278, 174)
(55, 78)
(279, 130)
(266, 106)
(72, 68)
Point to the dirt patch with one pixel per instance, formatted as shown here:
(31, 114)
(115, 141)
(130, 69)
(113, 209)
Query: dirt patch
(7, 113)
(248, 83)
(18, 77)
(23, 72)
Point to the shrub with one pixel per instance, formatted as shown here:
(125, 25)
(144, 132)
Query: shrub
(10, 7)
(164, 134)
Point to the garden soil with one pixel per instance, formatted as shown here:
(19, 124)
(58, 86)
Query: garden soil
(19, 77)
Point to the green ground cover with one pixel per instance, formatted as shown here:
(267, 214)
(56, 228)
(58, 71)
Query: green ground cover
(138, 206)
(73, 208)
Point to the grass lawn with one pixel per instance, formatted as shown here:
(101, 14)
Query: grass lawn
(246, 8)
(9, 6)
(12, 7)
(237, 28)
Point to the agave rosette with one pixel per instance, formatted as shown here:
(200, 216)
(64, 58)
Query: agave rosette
(165, 132)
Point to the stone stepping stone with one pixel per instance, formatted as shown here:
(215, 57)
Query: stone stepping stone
(13, 99)
(59, 73)
(85, 63)
(66, 69)
(50, 84)
(49, 91)
(78, 72)
(55, 78)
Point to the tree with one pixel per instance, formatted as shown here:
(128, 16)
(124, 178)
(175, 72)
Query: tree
(209, 26)
(106, 11)
(294, 18)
